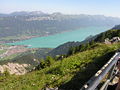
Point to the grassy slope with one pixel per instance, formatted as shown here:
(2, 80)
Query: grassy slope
(70, 73)
(2, 51)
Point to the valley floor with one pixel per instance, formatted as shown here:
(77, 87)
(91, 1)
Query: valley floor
(10, 50)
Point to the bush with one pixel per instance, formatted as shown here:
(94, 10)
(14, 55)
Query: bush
(49, 61)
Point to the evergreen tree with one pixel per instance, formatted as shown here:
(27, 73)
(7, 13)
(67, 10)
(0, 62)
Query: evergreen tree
(87, 46)
(92, 42)
(42, 64)
(82, 47)
(72, 51)
(49, 60)
(103, 37)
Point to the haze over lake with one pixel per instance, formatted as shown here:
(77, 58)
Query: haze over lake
(58, 39)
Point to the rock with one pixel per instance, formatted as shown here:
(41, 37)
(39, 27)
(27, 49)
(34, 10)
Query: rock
(113, 40)
(51, 88)
(14, 68)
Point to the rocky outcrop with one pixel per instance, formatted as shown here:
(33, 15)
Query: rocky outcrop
(113, 40)
(14, 68)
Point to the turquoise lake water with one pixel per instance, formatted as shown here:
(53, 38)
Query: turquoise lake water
(58, 39)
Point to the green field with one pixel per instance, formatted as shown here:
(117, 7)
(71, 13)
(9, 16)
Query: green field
(2, 51)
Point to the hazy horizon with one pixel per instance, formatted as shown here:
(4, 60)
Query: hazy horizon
(90, 7)
(64, 13)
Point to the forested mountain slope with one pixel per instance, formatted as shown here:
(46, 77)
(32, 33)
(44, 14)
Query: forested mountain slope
(64, 48)
(114, 32)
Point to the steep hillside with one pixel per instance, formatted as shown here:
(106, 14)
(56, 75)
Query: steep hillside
(116, 27)
(115, 32)
(21, 63)
(64, 48)
(70, 73)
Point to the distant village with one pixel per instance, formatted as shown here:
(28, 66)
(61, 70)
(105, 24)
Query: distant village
(10, 50)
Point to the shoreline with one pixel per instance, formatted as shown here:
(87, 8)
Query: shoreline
(2, 41)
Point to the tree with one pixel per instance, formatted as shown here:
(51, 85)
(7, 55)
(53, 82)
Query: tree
(42, 64)
(77, 48)
(82, 47)
(49, 60)
(6, 73)
(92, 42)
(87, 46)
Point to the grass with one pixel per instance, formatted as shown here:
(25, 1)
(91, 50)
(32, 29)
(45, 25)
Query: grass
(70, 73)
(2, 51)
(10, 57)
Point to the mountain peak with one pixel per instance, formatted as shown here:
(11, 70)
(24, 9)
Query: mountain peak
(36, 12)
(57, 13)
(21, 13)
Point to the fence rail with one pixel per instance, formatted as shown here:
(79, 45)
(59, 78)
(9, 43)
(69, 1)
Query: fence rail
(110, 66)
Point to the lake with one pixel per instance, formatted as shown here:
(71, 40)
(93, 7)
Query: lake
(53, 41)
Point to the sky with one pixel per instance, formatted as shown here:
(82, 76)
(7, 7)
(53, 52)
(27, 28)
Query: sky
(92, 7)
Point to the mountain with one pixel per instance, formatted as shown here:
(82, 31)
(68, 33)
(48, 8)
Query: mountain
(114, 32)
(3, 15)
(24, 13)
(17, 25)
(64, 48)
(116, 27)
